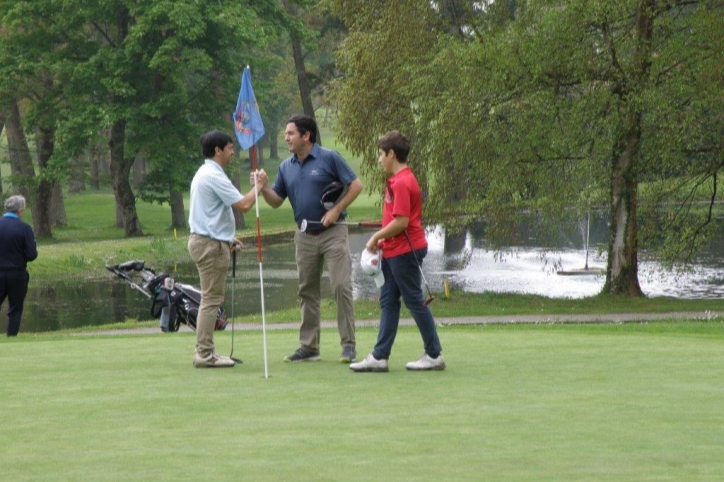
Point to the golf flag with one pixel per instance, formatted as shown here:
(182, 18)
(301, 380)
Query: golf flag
(247, 121)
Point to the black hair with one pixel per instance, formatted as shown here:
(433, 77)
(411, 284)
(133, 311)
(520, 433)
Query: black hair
(213, 139)
(305, 124)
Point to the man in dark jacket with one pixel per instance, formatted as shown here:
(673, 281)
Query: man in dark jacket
(17, 248)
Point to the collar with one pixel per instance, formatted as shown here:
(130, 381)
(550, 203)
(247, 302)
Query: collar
(401, 171)
(11, 215)
(213, 163)
(313, 154)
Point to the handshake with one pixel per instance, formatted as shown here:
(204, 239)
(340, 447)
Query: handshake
(258, 178)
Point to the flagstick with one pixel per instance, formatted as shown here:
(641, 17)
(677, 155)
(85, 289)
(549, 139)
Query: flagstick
(259, 257)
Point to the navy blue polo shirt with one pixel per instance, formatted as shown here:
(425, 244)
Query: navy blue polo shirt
(303, 183)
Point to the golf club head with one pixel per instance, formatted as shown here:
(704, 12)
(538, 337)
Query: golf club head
(429, 300)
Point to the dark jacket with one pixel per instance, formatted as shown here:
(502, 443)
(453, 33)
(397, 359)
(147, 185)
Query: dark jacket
(17, 244)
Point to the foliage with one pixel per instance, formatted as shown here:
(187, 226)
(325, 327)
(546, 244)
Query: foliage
(548, 107)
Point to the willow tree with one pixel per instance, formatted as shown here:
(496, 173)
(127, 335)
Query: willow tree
(551, 106)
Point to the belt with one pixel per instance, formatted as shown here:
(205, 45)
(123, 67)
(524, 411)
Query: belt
(317, 233)
(209, 237)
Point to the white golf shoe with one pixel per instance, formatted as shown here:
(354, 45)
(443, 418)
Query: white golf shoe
(369, 364)
(427, 363)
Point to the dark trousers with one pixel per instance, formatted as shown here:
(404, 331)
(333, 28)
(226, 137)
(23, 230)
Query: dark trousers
(403, 280)
(14, 287)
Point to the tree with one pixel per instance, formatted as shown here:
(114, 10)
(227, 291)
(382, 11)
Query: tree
(29, 50)
(550, 107)
(153, 75)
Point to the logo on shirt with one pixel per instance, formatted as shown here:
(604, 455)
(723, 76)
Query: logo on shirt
(315, 172)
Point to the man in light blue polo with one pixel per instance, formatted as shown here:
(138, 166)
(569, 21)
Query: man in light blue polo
(211, 221)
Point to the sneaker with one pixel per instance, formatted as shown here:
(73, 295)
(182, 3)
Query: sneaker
(427, 363)
(370, 364)
(348, 355)
(213, 361)
(301, 355)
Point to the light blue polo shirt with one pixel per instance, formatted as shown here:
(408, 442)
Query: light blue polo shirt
(212, 195)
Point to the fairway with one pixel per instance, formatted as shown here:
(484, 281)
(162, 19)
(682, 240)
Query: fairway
(517, 403)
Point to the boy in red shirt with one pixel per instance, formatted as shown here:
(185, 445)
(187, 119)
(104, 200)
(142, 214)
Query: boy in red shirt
(403, 244)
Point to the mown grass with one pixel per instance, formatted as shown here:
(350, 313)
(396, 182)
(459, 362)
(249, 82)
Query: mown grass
(517, 403)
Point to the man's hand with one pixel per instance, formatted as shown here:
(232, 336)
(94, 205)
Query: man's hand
(330, 217)
(259, 177)
(371, 244)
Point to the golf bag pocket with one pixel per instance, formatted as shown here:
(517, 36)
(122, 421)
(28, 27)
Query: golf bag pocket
(164, 308)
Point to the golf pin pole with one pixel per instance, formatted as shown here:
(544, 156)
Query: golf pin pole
(259, 256)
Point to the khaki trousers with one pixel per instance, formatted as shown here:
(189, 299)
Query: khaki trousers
(331, 246)
(212, 260)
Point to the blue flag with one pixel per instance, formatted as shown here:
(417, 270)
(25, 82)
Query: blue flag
(247, 121)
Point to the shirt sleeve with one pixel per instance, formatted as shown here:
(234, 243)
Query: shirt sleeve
(226, 191)
(280, 187)
(344, 173)
(31, 249)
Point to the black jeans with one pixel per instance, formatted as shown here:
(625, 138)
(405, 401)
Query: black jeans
(14, 287)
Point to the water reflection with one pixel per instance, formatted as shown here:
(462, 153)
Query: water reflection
(463, 260)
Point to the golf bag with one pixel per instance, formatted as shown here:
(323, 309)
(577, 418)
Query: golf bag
(173, 303)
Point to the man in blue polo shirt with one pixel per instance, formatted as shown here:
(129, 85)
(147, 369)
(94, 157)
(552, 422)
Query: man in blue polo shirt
(211, 221)
(303, 178)
(17, 248)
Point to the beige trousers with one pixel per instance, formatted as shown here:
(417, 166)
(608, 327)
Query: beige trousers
(212, 260)
(331, 246)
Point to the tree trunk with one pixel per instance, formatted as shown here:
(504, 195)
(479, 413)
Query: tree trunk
(120, 175)
(178, 216)
(139, 172)
(76, 182)
(21, 164)
(119, 216)
(94, 155)
(42, 215)
(304, 91)
(57, 207)
(622, 266)
(272, 137)
(260, 153)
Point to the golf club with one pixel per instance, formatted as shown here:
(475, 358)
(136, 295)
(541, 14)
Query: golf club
(430, 297)
(233, 286)
(362, 224)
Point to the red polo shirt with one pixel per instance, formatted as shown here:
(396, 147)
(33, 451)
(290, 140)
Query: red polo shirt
(403, 198)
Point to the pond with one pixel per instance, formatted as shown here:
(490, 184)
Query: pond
(463, 261)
